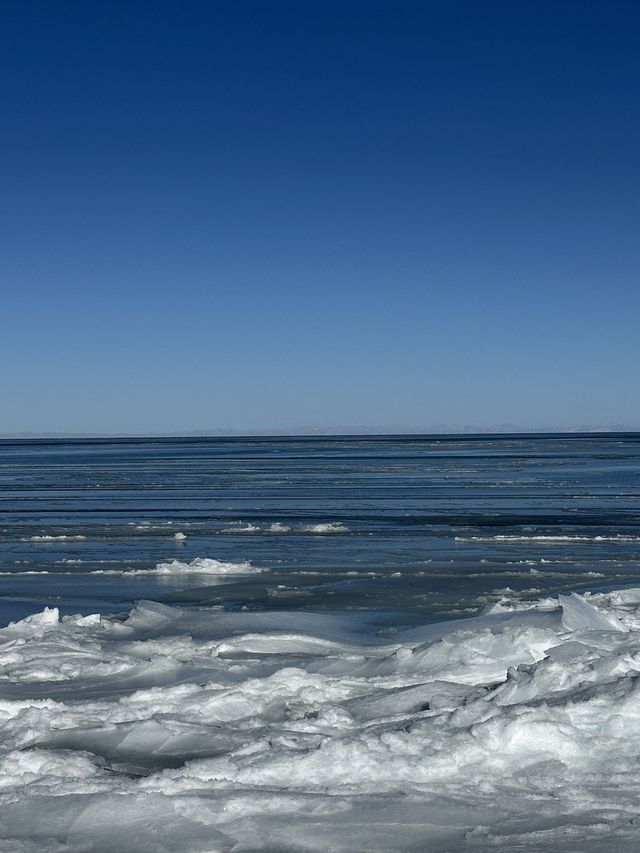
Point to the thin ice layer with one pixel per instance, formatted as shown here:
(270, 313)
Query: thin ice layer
(205, 731)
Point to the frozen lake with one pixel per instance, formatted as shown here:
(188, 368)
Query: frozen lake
(350, 644)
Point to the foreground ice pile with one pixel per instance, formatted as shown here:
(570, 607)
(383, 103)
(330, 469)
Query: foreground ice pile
(198, 730)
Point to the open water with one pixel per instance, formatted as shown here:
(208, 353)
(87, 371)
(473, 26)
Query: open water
(422, 528)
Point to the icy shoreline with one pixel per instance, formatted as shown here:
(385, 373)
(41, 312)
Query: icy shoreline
(200, 730)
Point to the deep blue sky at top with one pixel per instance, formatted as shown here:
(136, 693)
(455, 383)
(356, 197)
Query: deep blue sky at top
(264, 213)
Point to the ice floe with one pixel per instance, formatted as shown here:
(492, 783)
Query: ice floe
(278, 527)
(329, 527)
(548, 539)
(207, 566)
(63, 537)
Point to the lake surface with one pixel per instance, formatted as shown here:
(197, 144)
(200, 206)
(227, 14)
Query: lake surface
(389, 645)
(412, 528)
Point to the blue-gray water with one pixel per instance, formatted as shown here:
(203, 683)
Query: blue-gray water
(420, 528)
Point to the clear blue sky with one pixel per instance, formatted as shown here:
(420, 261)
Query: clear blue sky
(261, 213)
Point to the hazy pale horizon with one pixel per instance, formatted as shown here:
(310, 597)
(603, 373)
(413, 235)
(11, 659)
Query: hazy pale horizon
(341, 429)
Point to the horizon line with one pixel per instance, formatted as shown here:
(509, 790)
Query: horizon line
(344, 432)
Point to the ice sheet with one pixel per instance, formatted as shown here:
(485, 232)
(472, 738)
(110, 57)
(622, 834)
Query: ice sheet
(193, 729)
